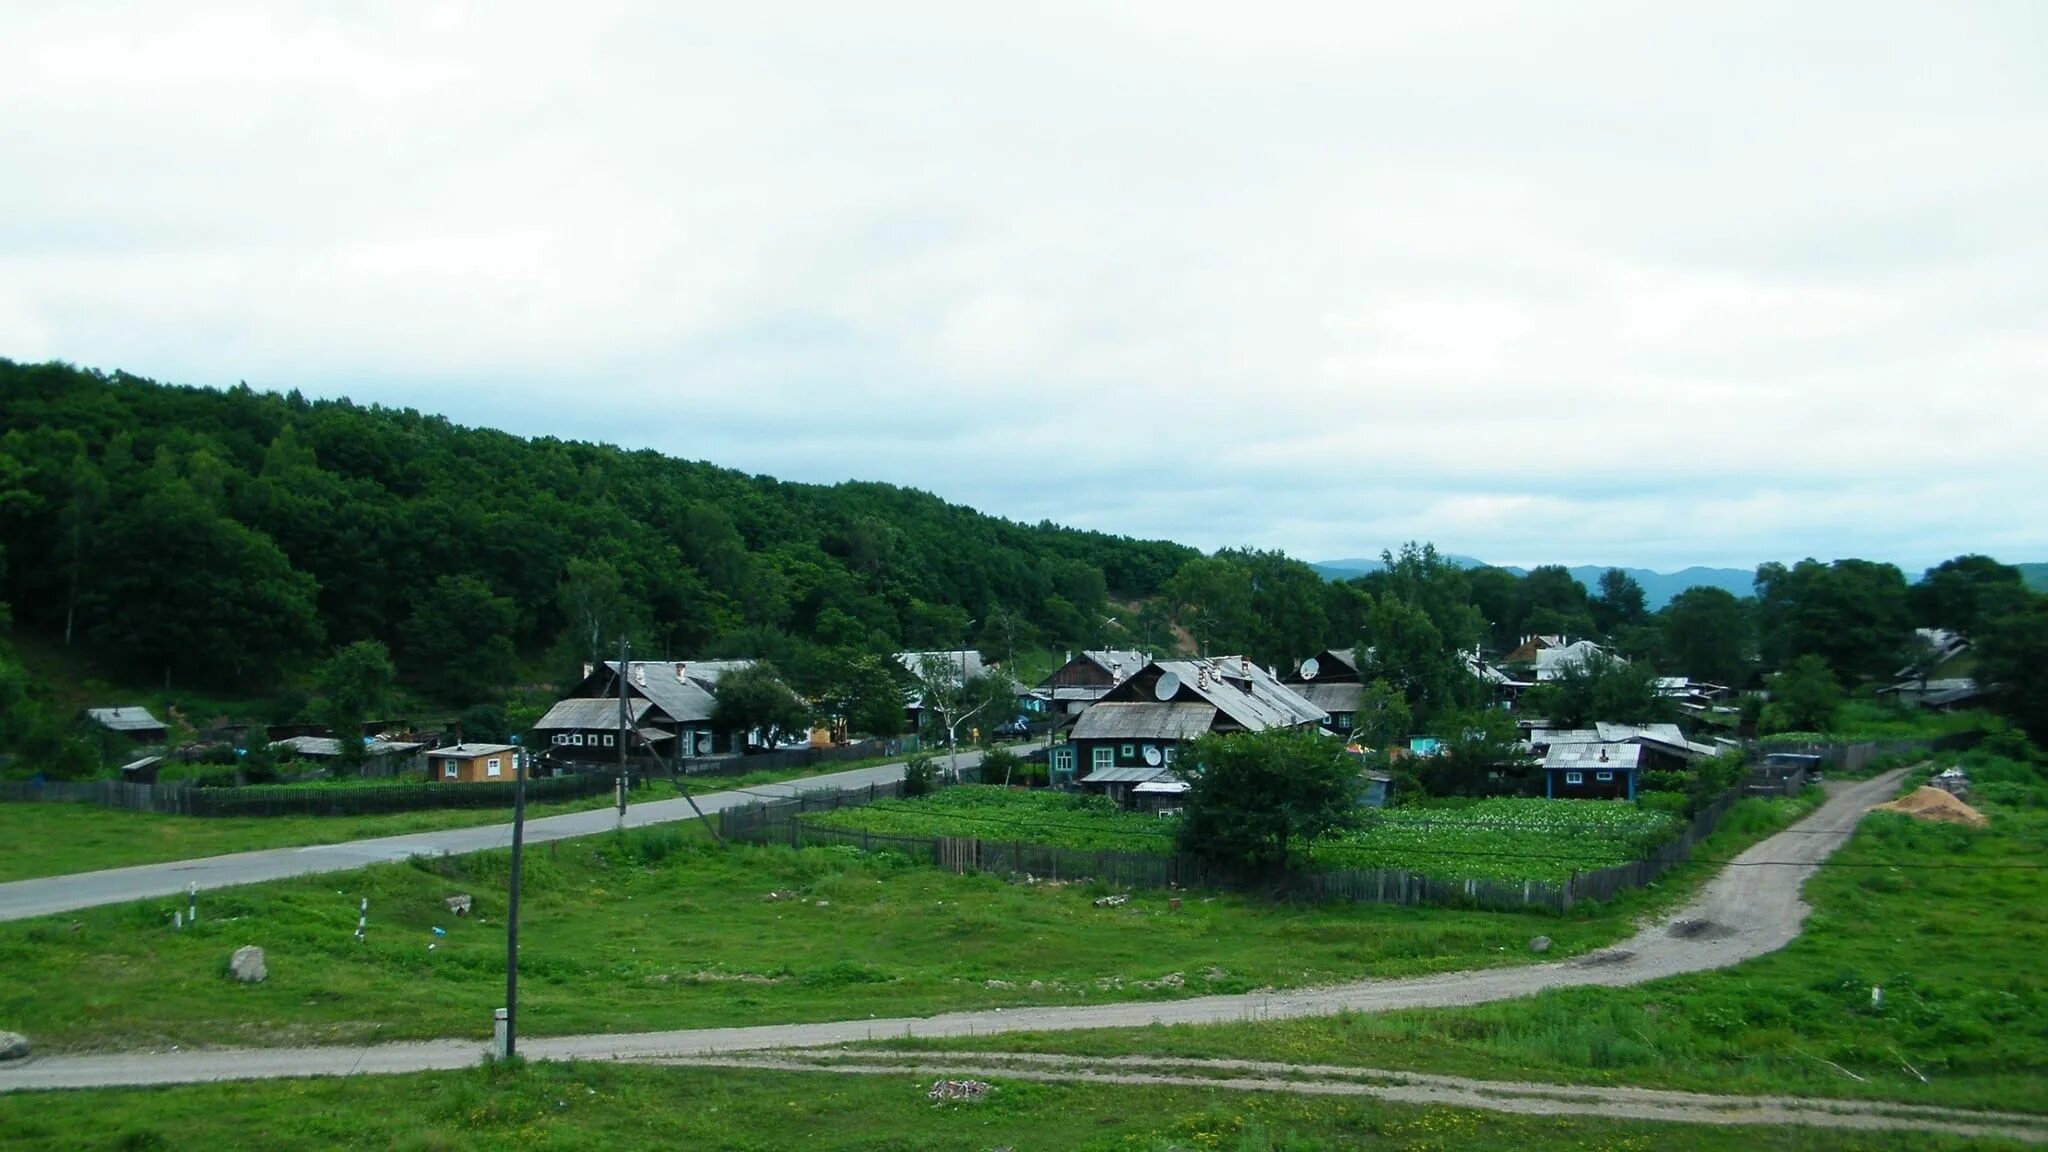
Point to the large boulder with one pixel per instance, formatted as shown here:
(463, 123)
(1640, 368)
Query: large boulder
(247, 965)
(13, 1046)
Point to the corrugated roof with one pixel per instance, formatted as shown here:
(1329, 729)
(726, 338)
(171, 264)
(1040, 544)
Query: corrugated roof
(681, 697)
(1136, 774)
(124, 719)
(1332, 697)
(467, 750)
(1147, 721)
(1594, 757)
(1120, 664)
(1246, 693)
(596, 713)
(331, 746)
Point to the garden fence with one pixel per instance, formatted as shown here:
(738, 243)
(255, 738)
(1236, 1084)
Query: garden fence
(336, 800)
(780, 822)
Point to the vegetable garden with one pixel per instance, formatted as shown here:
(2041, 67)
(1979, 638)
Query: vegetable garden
(1493, 839)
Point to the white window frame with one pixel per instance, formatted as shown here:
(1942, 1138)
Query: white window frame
(449, 771)
(1129, 752)
(1166, 754)
(1100, 757)
(1604, 777)
(1574, 778)
(561, 737)
(494, 767)
(576, 738)
(608, 740)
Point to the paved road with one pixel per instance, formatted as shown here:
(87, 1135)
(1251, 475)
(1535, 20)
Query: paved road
(23, 899)
(1752, 907)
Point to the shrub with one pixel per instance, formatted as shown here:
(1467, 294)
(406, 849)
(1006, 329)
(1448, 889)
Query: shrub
(919, 774)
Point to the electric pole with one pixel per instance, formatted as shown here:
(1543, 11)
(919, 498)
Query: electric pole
(509, 1047)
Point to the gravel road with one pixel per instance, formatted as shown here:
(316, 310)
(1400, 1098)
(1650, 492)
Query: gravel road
(1751, 907)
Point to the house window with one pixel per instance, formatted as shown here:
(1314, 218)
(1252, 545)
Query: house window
(1575, 777)
(1104, 757)
(1168, 753)
(1604, 777)
(608, 741)
(448, 770)
(576, 739)
(1129, 751)
(1340, 720)
(493, 766)
(560, 738)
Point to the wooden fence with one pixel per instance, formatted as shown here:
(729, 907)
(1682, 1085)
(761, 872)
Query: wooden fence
(780, 822)
(287, 801)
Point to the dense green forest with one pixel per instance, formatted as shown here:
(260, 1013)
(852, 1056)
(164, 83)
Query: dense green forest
(253, 544)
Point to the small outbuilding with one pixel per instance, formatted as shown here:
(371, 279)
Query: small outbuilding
(1591, 771)
(472, 764)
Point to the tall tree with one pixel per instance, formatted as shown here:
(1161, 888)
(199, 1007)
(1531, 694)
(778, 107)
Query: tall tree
(1851, 613)
(2012, 659)
(354, 686)
(1256, 800)
(1212, 599)
(1404, 649)
(1965, 593)
(460, 640)
(1599, 688)
(1551, 602)
(1619, 603)
(1708, 635)
(755, 700)
(1804, 697)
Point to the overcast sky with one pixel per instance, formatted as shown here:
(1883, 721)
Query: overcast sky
(1655, 284)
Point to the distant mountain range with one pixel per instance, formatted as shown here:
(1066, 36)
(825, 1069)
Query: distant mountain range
(1658, 587)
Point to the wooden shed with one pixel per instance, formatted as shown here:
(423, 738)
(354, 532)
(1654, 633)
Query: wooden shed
(472, 763)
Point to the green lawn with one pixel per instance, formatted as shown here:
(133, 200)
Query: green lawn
(1951, 923)
(617, 1108)
(657, 929)
(60, 839)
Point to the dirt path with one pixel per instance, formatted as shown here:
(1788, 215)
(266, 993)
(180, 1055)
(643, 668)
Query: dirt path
(1406, 1088)
(1751, 907)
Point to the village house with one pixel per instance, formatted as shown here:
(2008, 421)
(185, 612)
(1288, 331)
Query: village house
(380, 757)
(135, 723)
(1083, 680)
(1131, 736)
(1330, 680)
(1661, 747)
(472, 764)
(669, 709)
(1593, 771)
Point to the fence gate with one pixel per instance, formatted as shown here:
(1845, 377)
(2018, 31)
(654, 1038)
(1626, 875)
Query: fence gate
(958, 853)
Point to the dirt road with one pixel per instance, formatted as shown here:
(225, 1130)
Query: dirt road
(1751, 907)
(1519, 1097)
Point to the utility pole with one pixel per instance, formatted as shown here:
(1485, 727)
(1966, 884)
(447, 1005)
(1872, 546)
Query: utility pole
(625, 729)
(510, 1012)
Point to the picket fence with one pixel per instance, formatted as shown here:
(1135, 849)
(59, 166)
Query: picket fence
(781, 822)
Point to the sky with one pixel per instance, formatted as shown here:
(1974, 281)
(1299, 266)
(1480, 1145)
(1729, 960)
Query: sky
(1619, 283)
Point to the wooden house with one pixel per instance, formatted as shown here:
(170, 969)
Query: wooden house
(1084, 679)
(1132, 735)
(472, 764)
(136, 723)
(1592, 771)
(1331, 681)
(669, 709)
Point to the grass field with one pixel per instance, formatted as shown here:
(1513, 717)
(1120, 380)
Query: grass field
(60, 839)
(1500, 838)
(1951, 923)
(629, 1109)
(656, 929)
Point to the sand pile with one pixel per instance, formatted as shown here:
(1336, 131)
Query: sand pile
(1934, 804)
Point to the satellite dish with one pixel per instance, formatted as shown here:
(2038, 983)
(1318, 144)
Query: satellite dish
(1310, 667)
(1167, 686)
(1152, 755)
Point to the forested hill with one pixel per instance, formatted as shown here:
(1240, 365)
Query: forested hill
(229, 537)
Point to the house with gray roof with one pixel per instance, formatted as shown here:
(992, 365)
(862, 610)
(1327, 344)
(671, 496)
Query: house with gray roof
(1133, 733)
(669, 706)
(137, 723)
(1084, 679)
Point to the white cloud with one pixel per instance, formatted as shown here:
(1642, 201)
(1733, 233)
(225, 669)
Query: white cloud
(1590, 281)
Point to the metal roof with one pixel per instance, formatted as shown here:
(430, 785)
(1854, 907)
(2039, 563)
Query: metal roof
(1169, 787)
(1332, 697)
(589, 713)
(1135, 774)
(464, 751)
(1144, 721)
(1595, 757)
(672, 686)
(1246, 693)
(124, 719)
(1120, 664)
(331, 746)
